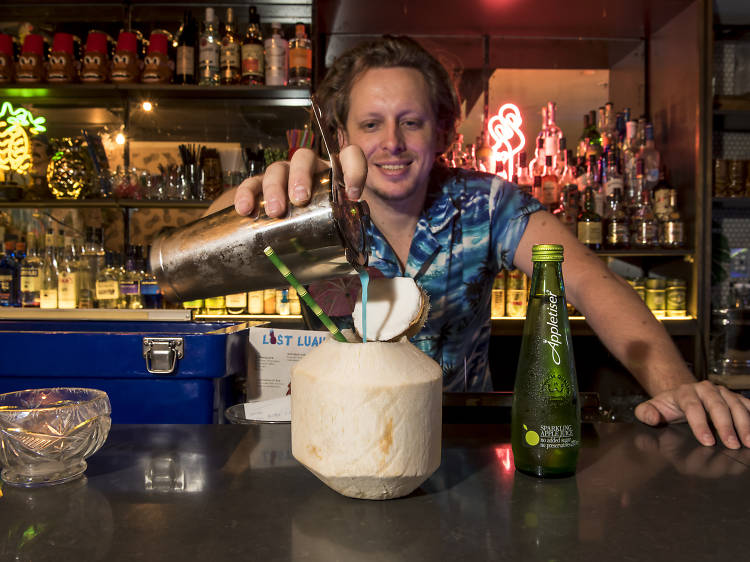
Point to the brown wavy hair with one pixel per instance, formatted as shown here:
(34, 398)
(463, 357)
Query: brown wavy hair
(388, 51)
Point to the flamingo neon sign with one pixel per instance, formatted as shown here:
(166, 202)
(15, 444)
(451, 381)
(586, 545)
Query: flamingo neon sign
(508, 140)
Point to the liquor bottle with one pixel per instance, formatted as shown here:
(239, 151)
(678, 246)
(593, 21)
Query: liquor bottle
(255, 302)
(252, 51)
(300, 58)
(130, 289)
(497, 304)
(589, 226)
(567, 211)
(229, 57)
(236, 303)
(593, 136)
(583, 141)
(67, 277)
(592, 180)
(546, 415)
(48, 291)
(616, 226)
(269, 301)
(294, 305)
(107, 284)
(672, 229)
(196, 306)
(31, 274)
(187, 37)
(209, 52)
(150, 292)
(643, 223)
(536, 188)
(8, 276)
(524, 179)
(550, 185)
(537, 164)
(85, 277)
(553, 134)
(629, 157)
(661, 196)
(276, 57)
(608, 132)
(216, 305)
(614, 178)
(282, 302)
(651, 158)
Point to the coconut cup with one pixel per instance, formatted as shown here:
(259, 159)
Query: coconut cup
(366, 417)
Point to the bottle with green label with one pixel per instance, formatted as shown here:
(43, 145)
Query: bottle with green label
(546, 415)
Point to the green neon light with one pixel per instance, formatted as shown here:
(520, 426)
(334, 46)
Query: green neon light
(23, 118)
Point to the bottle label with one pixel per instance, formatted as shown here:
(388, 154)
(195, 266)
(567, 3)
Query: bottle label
(130, 288)
(612, 184)
(252, 60)
(237, 300)
(107, 290)
(67, 290)
(30, 280)
(215, 302)
(6, 284)
(209, 58)
(661, 202)
(185, 60)
(549, 192)
(149, 288)
(617, 233)
(515, 304)
(550, 436)
(590, 232)
(498, 302)
(230, 55)
(48, 298)
(300, 57)
(673, 234)
(645, 234)
(255, 302)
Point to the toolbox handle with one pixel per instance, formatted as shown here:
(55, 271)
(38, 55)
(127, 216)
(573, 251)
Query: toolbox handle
(161, 354)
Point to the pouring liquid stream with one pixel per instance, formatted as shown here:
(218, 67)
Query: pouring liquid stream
(364, 279)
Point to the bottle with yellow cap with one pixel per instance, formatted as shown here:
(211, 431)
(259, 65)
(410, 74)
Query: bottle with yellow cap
(546, 415)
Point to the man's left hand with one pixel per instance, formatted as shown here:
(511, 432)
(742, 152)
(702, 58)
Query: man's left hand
(696, 403)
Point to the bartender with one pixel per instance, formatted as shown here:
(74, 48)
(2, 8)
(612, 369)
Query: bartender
(393, 110)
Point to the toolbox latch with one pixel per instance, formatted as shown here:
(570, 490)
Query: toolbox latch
(161, 354)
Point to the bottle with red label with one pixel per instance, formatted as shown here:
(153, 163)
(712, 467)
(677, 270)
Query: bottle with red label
(253, 65)
(300, 58)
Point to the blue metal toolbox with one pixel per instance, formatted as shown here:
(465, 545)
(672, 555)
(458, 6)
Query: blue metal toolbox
(153, 372)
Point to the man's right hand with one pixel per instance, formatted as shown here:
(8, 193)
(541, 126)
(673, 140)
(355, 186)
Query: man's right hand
(292, 181)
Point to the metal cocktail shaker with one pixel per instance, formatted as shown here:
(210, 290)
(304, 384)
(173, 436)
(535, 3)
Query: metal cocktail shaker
(222, 253)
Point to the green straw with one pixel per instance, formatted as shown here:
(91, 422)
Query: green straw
(303, 294)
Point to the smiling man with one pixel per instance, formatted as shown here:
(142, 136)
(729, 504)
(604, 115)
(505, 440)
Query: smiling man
(392, 108)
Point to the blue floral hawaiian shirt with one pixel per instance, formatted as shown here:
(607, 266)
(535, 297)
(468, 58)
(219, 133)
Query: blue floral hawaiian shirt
(468, 231)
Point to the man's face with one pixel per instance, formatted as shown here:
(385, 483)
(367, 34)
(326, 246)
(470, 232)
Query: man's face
(392, 121)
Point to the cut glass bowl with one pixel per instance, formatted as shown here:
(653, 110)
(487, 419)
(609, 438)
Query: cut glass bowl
(46, 434)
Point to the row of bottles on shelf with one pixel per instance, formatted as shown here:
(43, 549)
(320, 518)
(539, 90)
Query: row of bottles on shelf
(664, 297)
(613, 194)
(204, 53)
(68, 272)
(283, 302)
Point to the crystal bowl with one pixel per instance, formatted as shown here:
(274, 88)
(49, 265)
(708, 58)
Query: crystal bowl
(45, 434)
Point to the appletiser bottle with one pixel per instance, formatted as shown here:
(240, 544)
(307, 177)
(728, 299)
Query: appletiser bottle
(546, 415)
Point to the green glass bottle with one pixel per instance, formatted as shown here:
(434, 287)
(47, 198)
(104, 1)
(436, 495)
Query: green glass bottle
(546, 415)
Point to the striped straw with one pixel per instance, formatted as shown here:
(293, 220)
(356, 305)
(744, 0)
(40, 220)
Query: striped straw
(303, 294)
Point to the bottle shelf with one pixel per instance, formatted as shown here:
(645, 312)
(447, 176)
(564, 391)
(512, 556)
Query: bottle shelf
(656, 253)
(510, 326)
(47, 95)
(111, 203)
(731, 202)
(731, 104)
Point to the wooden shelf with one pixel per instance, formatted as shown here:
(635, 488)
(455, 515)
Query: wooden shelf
(731, 202)
(655, 253)
(731, 104)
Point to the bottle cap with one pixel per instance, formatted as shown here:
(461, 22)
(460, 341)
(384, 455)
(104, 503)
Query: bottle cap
(209, 15)
(299, 29)
(33, 43)
(253, 15)
(547, 252)
(127, 41)
(157, 43)
(96, 42)
(62, 43)
(6, 44)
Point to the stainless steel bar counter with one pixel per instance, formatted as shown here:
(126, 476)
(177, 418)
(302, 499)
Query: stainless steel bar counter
(234, 492)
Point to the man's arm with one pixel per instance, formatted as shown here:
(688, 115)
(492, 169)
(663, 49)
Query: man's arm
(631, 333)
